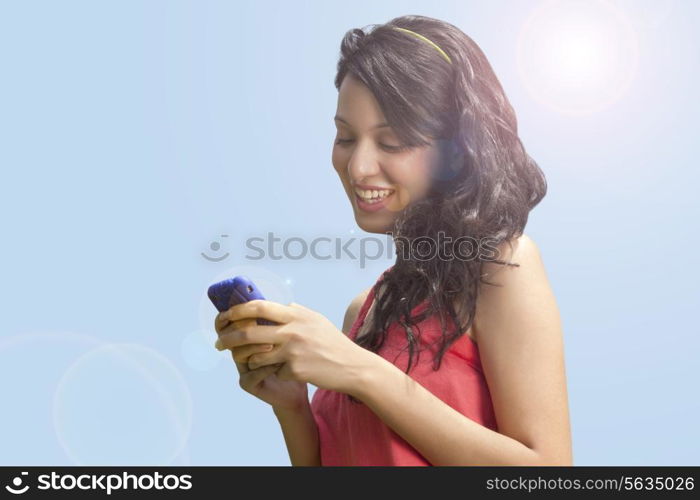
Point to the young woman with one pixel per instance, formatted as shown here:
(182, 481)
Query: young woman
(453, 357)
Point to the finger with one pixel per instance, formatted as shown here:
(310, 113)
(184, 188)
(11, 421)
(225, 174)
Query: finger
(265, 309)
(241, 366)
(222, 324)
(237, 325)
(252, 378)
(256, 334)
(284, 373)
(242, 353)
(264, 358)
(220, 321)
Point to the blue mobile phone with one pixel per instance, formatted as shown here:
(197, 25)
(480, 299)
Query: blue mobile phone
(230, 292)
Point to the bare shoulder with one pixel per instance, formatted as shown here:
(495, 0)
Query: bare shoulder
(522, 251)
(520, 337)
(513, 284)
(354, 309)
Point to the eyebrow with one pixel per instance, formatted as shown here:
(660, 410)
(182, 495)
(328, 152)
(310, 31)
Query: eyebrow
(378, 125)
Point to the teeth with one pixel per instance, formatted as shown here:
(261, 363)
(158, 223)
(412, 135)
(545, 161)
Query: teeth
(373, 195)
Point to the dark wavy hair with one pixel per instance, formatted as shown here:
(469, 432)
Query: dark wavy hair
(485, 184)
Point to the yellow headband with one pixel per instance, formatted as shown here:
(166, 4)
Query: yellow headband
(425, 39)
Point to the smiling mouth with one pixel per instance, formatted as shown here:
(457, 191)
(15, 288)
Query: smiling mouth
(373, 196)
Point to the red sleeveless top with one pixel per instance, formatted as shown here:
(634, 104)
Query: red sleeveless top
(351, 434)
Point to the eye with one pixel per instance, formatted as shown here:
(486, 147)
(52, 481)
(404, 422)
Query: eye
(387, 147)
(343, 141)
(394, 149)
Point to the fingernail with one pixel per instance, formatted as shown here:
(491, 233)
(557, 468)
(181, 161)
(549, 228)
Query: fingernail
(218, 345)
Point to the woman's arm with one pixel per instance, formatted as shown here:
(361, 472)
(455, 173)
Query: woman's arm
(300, 434)
(298, 426)
(520, 343)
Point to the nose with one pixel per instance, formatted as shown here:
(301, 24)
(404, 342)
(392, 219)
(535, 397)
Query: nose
(363, 162)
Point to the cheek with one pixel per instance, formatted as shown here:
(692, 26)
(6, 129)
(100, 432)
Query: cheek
(338, 160)
(414, 182)
(340, 168)
(423, 179)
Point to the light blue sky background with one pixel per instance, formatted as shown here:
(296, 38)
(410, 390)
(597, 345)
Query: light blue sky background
(134, 134)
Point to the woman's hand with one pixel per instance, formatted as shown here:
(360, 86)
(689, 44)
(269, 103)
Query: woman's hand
(262, 382)
(310, 346)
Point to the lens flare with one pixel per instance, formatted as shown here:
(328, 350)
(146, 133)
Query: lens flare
(577, 57)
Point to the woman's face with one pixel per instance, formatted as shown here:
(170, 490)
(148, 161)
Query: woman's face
(379, 177)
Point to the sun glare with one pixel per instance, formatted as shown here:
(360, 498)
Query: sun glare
(577, 56)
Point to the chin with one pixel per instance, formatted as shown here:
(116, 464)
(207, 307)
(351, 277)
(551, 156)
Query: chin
(376, 226)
